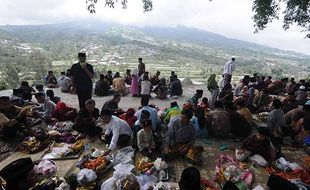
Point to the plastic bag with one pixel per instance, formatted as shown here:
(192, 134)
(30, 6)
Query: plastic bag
(159, 164)
(258, 159)
(86, 176)
(109, 184)
(241, 155)
(45, 167)
(124, 155)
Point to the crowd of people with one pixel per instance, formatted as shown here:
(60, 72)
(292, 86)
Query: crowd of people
(171, 132)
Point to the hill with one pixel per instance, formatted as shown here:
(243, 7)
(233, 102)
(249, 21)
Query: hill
(29, 51)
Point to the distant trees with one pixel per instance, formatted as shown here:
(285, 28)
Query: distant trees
(265, 11)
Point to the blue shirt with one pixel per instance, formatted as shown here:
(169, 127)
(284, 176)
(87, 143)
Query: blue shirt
(153, 115)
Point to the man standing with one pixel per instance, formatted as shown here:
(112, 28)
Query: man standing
(228, 69)
(82, 74)
(141, 67)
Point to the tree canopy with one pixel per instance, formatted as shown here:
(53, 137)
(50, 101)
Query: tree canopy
(296, 12)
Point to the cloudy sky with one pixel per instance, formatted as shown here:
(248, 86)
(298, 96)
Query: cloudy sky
(231, 18)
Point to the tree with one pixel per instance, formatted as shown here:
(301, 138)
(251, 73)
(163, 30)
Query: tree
(265, 11)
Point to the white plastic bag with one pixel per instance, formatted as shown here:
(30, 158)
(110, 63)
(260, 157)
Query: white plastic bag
(109, 184)
(258, 159)
(159, 164)
(241, 155)
(124, 155)
(86, 176)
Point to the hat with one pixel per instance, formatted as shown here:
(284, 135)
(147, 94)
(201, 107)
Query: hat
(173, 104)
(307, 103)
(263, 131)
(4, 98)
(81, 54)
(16, 169)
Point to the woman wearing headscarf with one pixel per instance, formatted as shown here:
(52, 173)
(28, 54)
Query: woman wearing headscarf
(134, 87)
(214, 90)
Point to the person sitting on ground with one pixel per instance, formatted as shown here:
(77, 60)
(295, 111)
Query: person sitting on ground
(64, 83)
(145, 140)
(141, 66)
(200, 122)
(11, 118)
(176, 87)
(171, 77)
(85, 121)
(267, 81)
(294, 115)
(161, 90)
(45, 109)
(109, 77)
(226, 94)
(261, 100)
(64, 113)
(172, 112)
(129, 117)
(127, 79)
(134, 87)
(50, 94)
(39, 88)
(190, 179)
(146, 86)
(289, 102)
(119, 84)
(259, 144)
(50, 80)
(245, 112)
(240, 127)
(26, 91)
(155, 79)
(19, 174)
(213, 88)
(113, 104)
(195, 99)
(289, 85)
(218, 121)
(276, 118)
(181, 134)
(205, 105)
(301, 131)
(117, 133)
(102, 87)
(301, 95)
(68, 73)
(16, 98)
(238, 88)
(151, 110)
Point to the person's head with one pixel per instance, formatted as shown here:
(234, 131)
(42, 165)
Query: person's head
(39, 87)
(218, 104)
(40, 96)
(199, 93)
(240, 103)
(262, 133)
(62, 73)
(292, 79)
(173, 104)
(82, 57)
(190, 179)
(157, 73)
(146, 125)
(19, 174)
(145, 101)
(5, 102)
(24, 83)
(302, 81)
(269, 77)
(109, 73)
(277, 104)
(162, 80)
(68, 71)
(146, 76)
(128, 71)
(90, 105)
(205, 100)
(106, 115)
(186, 116)
(101, 76)
(50, 72)
(50, 93)
(117, 97)
(233, 59)
(145, 114)
(175, 77)
(140, 60)
(117, 75)
(172, 73)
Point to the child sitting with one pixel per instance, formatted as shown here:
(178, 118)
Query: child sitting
(145, 141)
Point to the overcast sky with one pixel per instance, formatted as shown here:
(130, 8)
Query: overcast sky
(231, 18)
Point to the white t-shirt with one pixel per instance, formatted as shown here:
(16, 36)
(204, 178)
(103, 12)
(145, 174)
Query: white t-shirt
(229, 67)
(64, 82)
(117, 127)
(146, 87)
